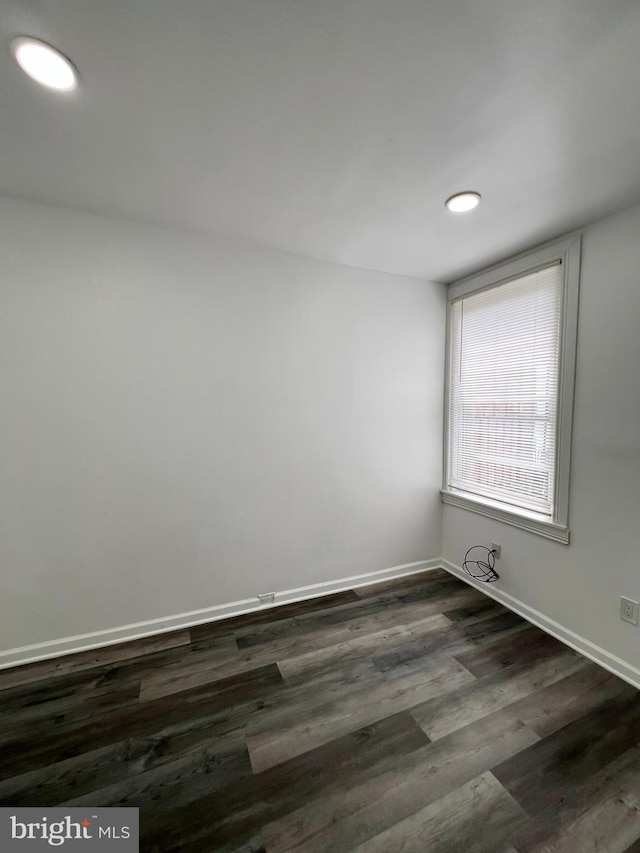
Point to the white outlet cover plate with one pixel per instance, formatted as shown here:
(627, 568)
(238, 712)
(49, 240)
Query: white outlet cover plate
(629, 610)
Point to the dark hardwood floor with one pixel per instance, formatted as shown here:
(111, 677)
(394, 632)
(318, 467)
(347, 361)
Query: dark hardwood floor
(415, 715)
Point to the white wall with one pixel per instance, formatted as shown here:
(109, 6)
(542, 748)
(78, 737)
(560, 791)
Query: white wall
(185, 422)
(579, 585)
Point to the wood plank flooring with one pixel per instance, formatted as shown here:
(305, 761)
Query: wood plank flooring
(414, 715)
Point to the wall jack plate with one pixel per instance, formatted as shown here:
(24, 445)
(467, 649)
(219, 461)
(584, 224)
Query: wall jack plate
(629, 610)
(266, 597)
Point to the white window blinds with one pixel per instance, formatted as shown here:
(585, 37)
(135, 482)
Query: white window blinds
(503, 395)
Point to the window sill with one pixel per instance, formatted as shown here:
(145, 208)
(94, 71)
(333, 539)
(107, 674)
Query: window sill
(530, 522)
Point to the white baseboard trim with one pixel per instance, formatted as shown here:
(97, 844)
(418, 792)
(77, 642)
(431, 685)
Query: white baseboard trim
(590, 650)
(138, 630)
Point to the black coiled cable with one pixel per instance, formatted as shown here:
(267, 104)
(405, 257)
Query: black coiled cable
(482, 568)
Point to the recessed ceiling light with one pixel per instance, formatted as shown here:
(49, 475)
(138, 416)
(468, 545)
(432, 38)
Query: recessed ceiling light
(44, 64)
(462, 202)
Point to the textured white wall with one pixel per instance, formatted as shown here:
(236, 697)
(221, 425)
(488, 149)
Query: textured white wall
(579, 585)
(185, 422)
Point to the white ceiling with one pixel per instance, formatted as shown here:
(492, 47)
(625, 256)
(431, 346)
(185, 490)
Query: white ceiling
(334, 128)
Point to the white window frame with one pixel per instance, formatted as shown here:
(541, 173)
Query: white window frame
(566, 251)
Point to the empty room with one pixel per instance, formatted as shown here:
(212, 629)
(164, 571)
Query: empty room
(320, 426)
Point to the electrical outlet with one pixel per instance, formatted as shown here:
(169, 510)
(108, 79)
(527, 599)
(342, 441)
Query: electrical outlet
(266, 597)
(629, 610)
(496, 550)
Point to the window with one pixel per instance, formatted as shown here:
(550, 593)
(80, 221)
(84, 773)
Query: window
(510, 369)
